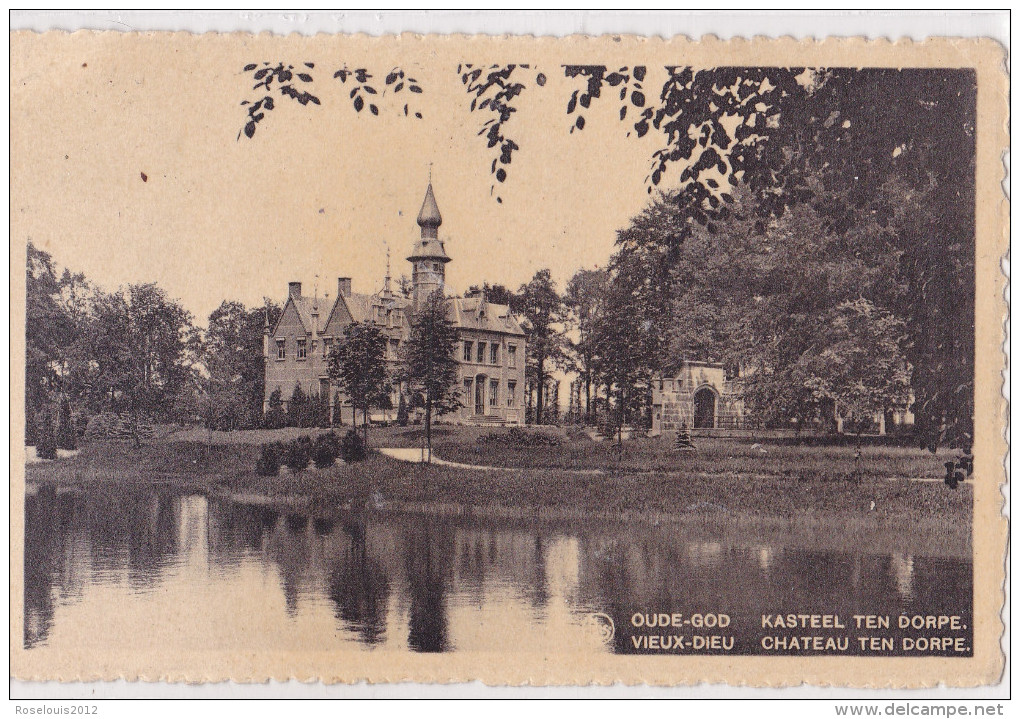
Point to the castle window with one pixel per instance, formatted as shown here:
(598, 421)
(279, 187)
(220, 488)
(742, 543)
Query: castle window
(302, 349)
(480, 357)
(327, 347)
(467, 351)
(281, 349)
(394, 347)
(494, 393)
(494, 353)
(511, 355)
(511, 391)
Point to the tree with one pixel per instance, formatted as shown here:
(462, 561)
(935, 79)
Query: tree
(584, 299)
(231, 352)
(139, 349)
(402, 416)
(275, 416)
(297, 407)
(622, 344)
(48, 330)
(358, 367)
(542, 310)
(860, 365)
(498, 294)
(66, 436)
(429, 363)
(46, 447)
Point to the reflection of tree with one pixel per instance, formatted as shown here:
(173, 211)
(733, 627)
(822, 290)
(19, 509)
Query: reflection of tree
(288, 547)
(152, 540)
(43, 537)
(428, 565)
(540, 586)
(323, 526)
(235, 528)
(142, 521)
(359, 586)
(111, 525)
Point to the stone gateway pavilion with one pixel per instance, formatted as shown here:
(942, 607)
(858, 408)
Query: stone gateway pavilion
(490, 354)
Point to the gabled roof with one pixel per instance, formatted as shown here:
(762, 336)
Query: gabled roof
(305, 307)
(476, 313)
(465, 312)
(361, 308)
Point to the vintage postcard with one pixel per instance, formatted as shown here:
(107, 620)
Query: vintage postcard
(523, 360)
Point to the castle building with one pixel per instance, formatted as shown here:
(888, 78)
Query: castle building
(699, 396)
(491, 344)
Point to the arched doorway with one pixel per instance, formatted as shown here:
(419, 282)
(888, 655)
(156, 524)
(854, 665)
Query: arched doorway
(480, 394)
(704, 408)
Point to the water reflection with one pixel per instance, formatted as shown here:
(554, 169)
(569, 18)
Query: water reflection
(358, 584)
(422, 583)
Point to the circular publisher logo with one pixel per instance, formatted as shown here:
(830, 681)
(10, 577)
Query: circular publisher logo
(604, 625)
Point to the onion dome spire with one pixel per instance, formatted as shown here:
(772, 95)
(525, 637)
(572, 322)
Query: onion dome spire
(429, 215)
(429, 247)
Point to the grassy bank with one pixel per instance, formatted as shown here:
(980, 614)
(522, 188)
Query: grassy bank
(577, 451)
(925, 512)
(713, 456)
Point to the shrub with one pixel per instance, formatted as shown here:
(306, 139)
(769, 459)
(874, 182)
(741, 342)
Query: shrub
(318, 411)
(275, 417)
(299, 409)
(66, 438)
(46, 447)
(576, 433)
(325, 449)
(297, 454)
(31, 426)
(402, 411)
(352, 448)
(517, 437)
(100, 426)
(268, 464)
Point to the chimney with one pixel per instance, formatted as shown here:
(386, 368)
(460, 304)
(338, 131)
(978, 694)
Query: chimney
(294, 289)
(343, 286)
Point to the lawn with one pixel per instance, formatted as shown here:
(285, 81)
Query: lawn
(577, 451)
(713, 456)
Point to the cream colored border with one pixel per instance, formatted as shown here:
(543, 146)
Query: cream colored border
(990, 529)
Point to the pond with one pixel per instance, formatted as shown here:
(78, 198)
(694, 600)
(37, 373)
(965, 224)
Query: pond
(109, 564)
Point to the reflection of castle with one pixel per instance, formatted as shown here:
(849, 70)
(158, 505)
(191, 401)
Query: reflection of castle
(491, 349)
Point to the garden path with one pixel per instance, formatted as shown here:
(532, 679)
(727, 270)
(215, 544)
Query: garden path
(415, 454)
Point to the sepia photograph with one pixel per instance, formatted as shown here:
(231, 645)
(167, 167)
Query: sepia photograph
(522, 360)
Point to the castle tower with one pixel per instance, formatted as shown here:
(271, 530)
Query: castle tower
(428, 258)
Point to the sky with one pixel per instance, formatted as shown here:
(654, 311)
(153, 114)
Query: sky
(319, 191)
